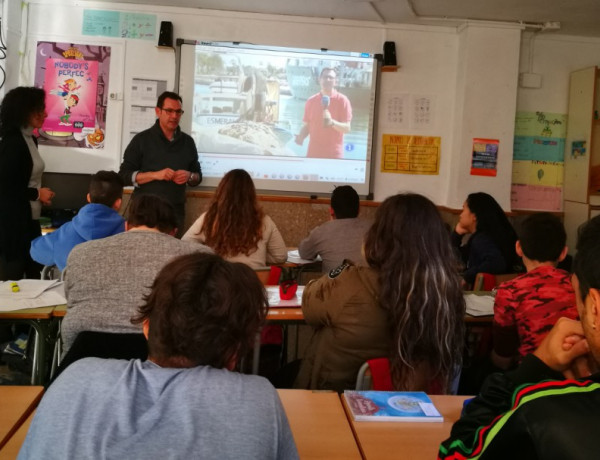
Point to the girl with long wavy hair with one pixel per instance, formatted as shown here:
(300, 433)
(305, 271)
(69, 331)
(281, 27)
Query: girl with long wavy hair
(235, 226)
(407, 305)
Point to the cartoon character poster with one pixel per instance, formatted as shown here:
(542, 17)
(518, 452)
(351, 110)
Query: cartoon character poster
(70, 86)
(75, 78)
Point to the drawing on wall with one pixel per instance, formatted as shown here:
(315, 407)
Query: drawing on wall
(423, 110)
(407, 154)
(578, 149)
(485, 157)
(119, 24)
(75, 78)
(538, 161)
(396, 111)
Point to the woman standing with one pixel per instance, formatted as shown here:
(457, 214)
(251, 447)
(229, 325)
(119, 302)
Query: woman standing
(491, 247)
(407, 305)
(236, 228)
(21, 194)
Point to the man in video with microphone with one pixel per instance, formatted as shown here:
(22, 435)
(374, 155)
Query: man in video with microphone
(327, 117)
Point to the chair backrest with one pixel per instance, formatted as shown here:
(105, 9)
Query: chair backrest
(488, 281)
(375, 375)
(263, 274)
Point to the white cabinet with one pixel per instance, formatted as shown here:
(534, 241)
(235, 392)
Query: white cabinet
(581, 190)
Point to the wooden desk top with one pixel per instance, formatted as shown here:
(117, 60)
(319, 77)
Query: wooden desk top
(319, 425)
(13, 446)
(28, 313)
(16, 403)
(392, 440)
(285, 314)
(59, 311)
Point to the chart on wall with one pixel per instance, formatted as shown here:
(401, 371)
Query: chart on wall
(538, 161)
(75, 78)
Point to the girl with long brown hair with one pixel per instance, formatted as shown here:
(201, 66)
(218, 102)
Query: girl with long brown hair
(236, 227)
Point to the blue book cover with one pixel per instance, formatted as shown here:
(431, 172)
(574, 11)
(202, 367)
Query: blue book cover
(392, 406)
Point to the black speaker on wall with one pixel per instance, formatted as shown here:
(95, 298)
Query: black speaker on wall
(389, 53)
(165, 36)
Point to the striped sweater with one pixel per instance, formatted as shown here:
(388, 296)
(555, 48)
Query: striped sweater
(529, 413)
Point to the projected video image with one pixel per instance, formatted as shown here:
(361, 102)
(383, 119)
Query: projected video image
(282, 104)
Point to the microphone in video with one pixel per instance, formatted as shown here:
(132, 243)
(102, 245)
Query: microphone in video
(326, 115)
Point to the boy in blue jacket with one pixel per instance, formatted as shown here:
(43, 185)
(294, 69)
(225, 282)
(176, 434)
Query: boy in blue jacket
(98, 219)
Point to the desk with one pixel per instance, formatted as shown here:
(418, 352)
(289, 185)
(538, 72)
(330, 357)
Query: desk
(16, 403)
(391, 440)
(11, 449)
(319, 425)
(44, 325)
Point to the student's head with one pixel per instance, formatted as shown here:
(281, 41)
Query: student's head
(202, 310)
(152, 211)
(409, 245)
(106, 187)
(542, 238)
(21, 107)
(345, 202)
(233, 223)
(168, 110)
(586, 282)
(482, 213)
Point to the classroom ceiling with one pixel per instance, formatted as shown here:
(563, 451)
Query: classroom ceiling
(568, 17)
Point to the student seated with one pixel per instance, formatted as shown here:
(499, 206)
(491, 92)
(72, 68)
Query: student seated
(491, 246)
(342, 237)
(235, 226)
(527, 307)
(549, 406)
(106, 279)
(407, 304)
(98, 219)
(201, 315)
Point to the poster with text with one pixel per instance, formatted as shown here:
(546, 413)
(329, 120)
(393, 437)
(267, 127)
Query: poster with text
(76, 79)
(485, 157)
(70, 86)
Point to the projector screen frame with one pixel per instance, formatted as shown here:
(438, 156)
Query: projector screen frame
(295, 187)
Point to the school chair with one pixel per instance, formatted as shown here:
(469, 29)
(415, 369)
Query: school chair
(375, 374)
(92, 344)
(488, 281)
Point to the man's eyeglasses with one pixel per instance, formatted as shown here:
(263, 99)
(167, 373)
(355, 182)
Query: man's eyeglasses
(177, 112)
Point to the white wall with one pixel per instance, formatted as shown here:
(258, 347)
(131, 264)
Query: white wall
(554, 58)
(471, 74)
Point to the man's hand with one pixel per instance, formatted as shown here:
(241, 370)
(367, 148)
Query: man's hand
(164, 174)
(181, 176)
(299, 139)
(45, 196)
(563, 345)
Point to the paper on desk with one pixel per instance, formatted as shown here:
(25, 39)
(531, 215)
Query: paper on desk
(294, 257)
(479, 305)
(276, 302)
(48, 298)
(28, 289)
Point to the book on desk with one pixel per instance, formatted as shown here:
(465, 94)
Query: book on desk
(391, 406)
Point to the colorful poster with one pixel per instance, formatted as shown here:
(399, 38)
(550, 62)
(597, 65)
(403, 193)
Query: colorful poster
(536, 197)
(75, 78)
(542, 124)
(485, 157)
(538, 161)
(70, 86)
(119, 24)
(410, 154)
(538, 148)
